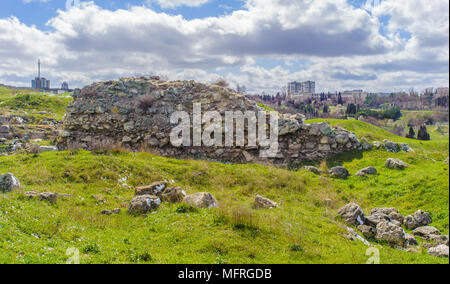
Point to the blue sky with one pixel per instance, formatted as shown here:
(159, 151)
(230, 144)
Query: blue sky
(377, 45)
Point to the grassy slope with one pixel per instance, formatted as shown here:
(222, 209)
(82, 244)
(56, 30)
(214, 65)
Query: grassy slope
(303, 230)
(13, 101)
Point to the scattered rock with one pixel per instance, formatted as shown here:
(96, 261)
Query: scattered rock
(106, 212)
(48, 196)
(410, 240)
(395, 164)
(439, 251)
(418, 219)
(390, 233)
(367, 231)
(173, 195)
(411, 249)
(264, 203)
(8, 182)
(352, 214)
(47, 149)
(427, 245)
(392, 147)
(395, 216)
(31, 194)
(143, 204)
(439, 239)
(446, 161)
(374, 219)
(353, 236)
(201, 200)
(405, 147)
(383, 210)
(155, 188)
(313, 170)
(367, 171)
(110, 212)
(339, 172)
(425, 232)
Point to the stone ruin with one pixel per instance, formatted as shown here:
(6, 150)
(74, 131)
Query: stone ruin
(134, 113)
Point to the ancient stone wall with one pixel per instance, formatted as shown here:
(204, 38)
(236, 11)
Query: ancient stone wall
(135, 113)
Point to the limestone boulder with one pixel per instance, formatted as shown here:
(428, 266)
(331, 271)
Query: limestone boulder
(155, 188)
(48, 196)
(339, 172)
(367, 231)
(383, 210)
(392, 147)
(313, 170)
(438, 239)
(395, 216)
(8, 182)
(410, 240)
(367, 171)
(395, 164)
(374, 219)
(173, 195)
(143, 204)
(391, 233)
(264, 203)
(439, 251)
(352, 214)
(416, 220)
(425, 232)
(201, 200)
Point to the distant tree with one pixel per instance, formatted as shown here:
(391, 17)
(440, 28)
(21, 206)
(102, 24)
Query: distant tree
(340, 102)
(412, 133)
(325, 109)
(351, 109)
(423, 134)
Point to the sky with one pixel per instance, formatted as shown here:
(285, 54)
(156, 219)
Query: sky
(374, 45)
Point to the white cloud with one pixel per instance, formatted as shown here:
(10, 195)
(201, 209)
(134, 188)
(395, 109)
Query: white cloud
(171, 4)
(343, 45)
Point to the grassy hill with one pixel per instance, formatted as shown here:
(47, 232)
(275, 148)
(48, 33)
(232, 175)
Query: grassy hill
(302, 230)
(38, 106)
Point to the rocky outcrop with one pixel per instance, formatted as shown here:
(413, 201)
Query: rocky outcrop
(201, 200)
(391, 233)
(135, 113)
(410, 240)
(352, 214)
(264, 203)
(438, 239)
(426, 231)
(367, 231)
(374, 219)
(439, 251)
(8, 182)
(418, 219)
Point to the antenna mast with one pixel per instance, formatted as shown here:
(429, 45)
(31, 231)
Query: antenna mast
(39, 68)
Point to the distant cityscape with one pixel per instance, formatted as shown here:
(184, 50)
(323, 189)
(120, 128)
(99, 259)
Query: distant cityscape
(41, 83)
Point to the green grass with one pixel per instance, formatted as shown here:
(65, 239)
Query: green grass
(302, 230)
(15, 102)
